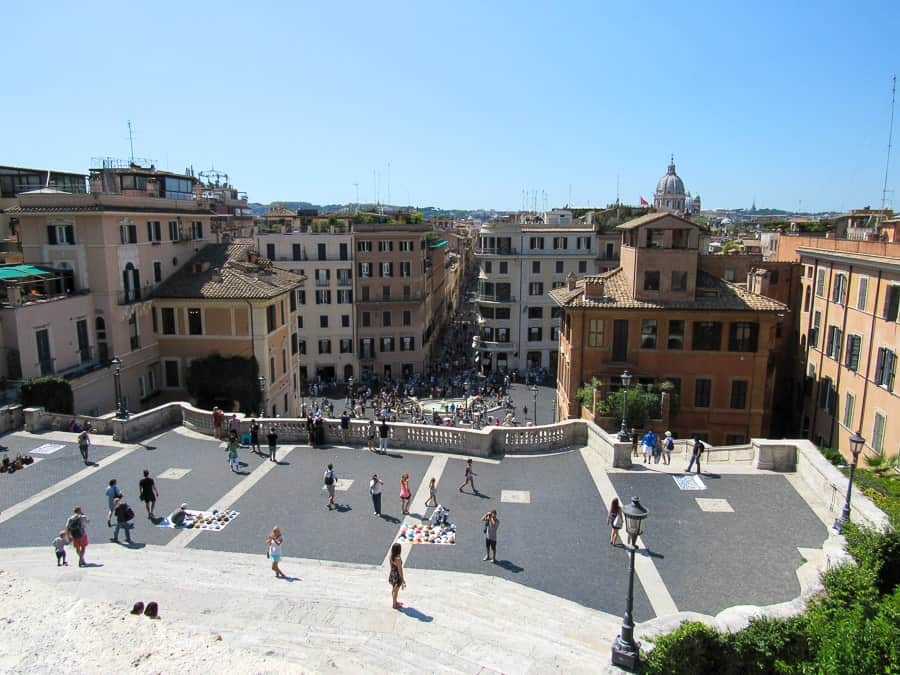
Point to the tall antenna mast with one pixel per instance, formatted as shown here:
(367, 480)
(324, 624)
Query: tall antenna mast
(887, 165)
(131, 141)
(617, 189)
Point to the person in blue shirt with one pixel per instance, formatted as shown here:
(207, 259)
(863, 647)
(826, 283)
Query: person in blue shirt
(649, 442)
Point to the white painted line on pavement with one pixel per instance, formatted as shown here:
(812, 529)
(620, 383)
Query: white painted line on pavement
(657, 593)
(417, 504)
(185, 537)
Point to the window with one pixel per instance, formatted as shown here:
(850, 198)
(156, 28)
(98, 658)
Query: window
(170, 372)
(127, 233)
(154, 230)
(702, 392)
(385, 246)
(738, 394)
(729, 275)
(323, 297)
(862, 292)
(833, 347)
(849, 405)
(648, 334)
(385, 318)
(503, 335)
(157, 271)
(407, 317)
(325, 346)
(654, 238)
(560, 243)
(807, 297)
(344, 296)
(827, 396)
(502, 313)
(387, 269)
(345, 321)
(743, 336)
(679, 281)
(535, 312)
(407, 344)
(535, 288)
(343, 254)
(296, 252)
(839, 289)
(651, 281)
(385, 292)
(407, 292)
(406, 246)
(891, 303)
(284, 361)
(300, 322)
(173, 230)
(195, 322)
(302, 347)
(365, 269)
(301, 296)
(814, 331)
(323, 277)
(364, 246)
(676, 335)
(487, 267)
(554, 333)
(707, 336)
(536, 243)
(878, 433)
(560, 267)
(323, 321)
(820, 283)
(196, 229)
(344, 277)
(270, 251)
(295, 346)
(366, 319)
(582, 267)
(535, 333)
(557, 284)
(321, 252)
(583, 243)
(535, 266)
(406, 269)
(854, 346)
(346, 345)
(167, 315)
(134, 338)
(885, 368)
(387, 344)
(270, 318)
(504, 268)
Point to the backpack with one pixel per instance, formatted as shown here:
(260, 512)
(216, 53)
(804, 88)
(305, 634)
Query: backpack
(75, 527)
(129, 513)
(329, 478)
(670, 444)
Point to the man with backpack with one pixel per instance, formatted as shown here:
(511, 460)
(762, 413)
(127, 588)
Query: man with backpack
(329, 479)
(77, 531)
(124, 516)
(695, 455)
(84, 444)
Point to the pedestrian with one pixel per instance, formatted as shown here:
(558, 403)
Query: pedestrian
(84, 444)
(310, 431)
(76, 529)
(329, 479)
(345, 426)
(470, 477)
(272, 437)
(255, 428)
(657, 452)
(376, 485)
(432, 493)
(491, 523)
(404, 494)
(233, 462)
(695, 454)
(112, 493)
(370, 435)
(383, 433)
(59, 546)
(614, 520)
(649, 443)
(667, 446)
(634, 442)
(395, 578)
(124, 515)
(234, 426)
(218, 421)
(319, 430)
(273, 550)
(148, 492)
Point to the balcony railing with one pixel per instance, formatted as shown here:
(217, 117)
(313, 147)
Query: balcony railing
(131, 296)
(394, 298)
(496, 250)
(485, 297)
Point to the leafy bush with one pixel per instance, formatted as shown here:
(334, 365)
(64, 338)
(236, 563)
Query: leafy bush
(585, 394)
(880, 552)
(691, 648)
(833, 456)
(642, 405)
(219, 380)
(768, 646)
(51, 392)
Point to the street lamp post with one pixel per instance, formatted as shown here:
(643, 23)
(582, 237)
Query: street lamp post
(534, 391)
(349, 389)
(117, 374)
(626, 381)
(625, 650)
(466, 396)
(856, 445)
(262, 395)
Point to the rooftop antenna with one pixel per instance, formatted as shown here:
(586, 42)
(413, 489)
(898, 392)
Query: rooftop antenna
(131, 140)
(887, 165)
(356, 185)
(617, 189)
(523, 200)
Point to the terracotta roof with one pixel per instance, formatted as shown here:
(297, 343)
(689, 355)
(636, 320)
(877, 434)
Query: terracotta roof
(223, 271)
(713, 294)
(652, 217)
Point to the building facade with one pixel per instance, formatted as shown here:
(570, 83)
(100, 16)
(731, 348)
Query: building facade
(662, 318)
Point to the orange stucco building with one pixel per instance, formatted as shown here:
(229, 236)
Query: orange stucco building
(662, 317)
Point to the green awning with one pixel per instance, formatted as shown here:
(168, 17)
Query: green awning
(20, 271)
(442, 242)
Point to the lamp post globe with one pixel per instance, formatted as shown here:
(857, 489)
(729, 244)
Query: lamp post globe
(856, 445)
(626, 382)
(625, 650)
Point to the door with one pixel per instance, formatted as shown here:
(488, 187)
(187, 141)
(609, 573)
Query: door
(620, 340)
(84, 346)
(45, 361)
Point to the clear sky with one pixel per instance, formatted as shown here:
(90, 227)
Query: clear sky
(469, 103)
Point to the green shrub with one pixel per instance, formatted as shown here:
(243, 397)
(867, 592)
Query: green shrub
(879, 551)
(51, 392)
(691, 648)
(769, 646)
(833, 456)
(219, 380)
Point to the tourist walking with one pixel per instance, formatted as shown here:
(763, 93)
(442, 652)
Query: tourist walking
(395, 578)
(310, 431)
(491, 523)
(635, 438)
(112, 493)
(345, 426)
(233, 462)
(272, 438)
(614, 520)
(376, 486)
(404, 494)
(234, 426)
(124, 515)
(370, 435)
(329, 479)
(59, 547)
(255, 428)
(148, 493)
(84, 444)
(432, 493)
(668, 445)
(695, 454)
(218, 421)
(649, 443)
(273, 550)
(470, 477)
(383, 433)
(76, 529)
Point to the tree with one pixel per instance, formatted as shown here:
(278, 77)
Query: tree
(53, 393)
(643, 405)
(219, 380)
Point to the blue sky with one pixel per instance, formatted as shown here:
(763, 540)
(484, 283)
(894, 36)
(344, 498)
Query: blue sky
(469, 103)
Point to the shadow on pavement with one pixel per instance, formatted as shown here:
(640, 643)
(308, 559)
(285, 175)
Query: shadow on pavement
(413, 613)
(509, 566)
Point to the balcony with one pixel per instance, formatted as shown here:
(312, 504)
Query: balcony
(503, 299)
(135, 295)
(492, 345)
(497, 250)
(391, 299)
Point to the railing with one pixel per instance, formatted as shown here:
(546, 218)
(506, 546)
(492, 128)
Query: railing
(497, 250)
(406, 298)
(485, 297)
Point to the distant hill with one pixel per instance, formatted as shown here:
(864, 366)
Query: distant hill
(428, 212)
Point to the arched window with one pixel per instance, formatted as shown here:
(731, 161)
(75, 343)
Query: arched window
(131, 284)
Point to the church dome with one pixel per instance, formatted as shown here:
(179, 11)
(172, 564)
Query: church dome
(670, 184)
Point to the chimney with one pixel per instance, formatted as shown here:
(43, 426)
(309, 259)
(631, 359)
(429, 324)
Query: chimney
(571, 279)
